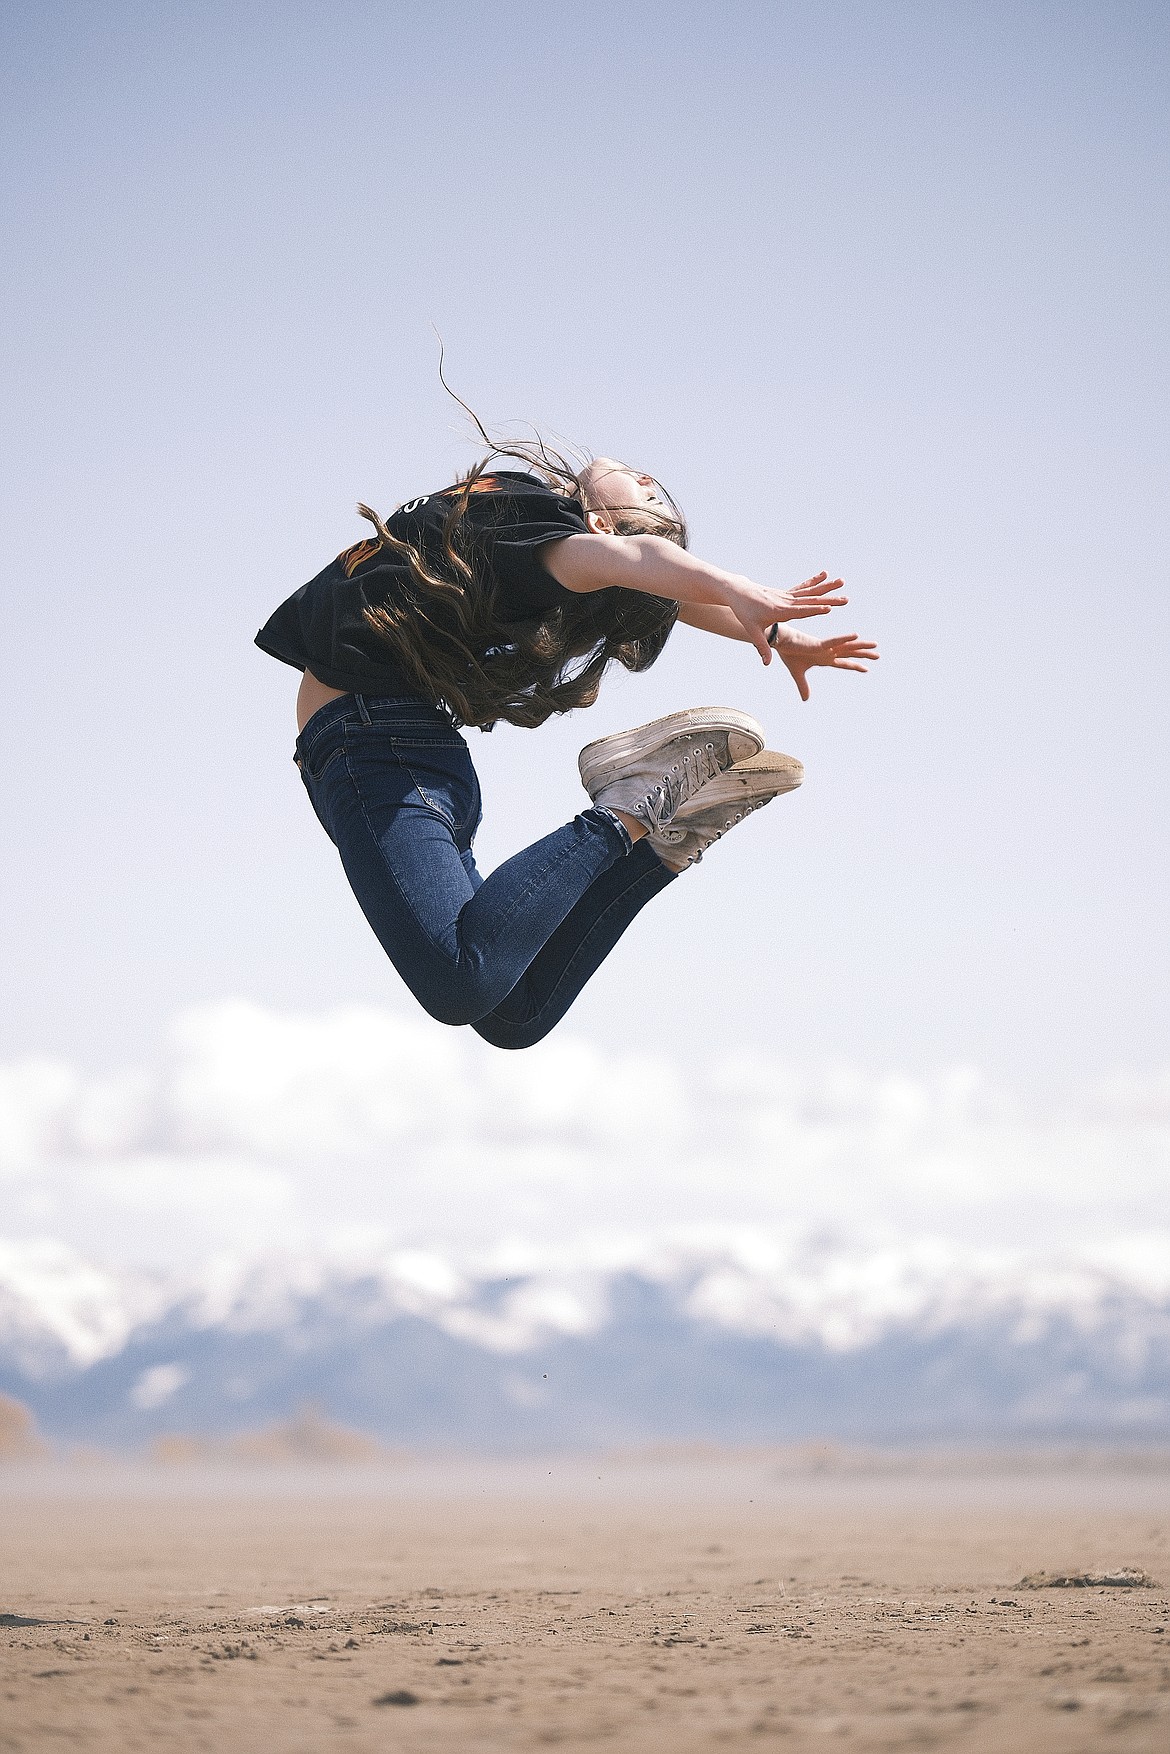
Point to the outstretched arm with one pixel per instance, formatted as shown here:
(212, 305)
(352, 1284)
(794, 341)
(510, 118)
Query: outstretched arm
(600, 561)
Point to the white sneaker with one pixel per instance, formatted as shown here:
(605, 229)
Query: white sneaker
(651, 771)
(701, 821)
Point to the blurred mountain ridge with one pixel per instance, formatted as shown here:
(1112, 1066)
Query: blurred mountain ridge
(729, 1343)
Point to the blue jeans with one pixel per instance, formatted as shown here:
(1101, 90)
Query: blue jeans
(393, 784)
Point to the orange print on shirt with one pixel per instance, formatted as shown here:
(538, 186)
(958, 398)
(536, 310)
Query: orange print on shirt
(481, 484)
(353, 557)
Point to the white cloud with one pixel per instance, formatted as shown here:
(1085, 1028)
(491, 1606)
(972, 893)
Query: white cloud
(348, 1082)
(263, 1130)
(37, 1100)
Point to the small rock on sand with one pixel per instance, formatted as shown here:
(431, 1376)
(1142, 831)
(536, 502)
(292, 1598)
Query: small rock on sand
(1125, 1578)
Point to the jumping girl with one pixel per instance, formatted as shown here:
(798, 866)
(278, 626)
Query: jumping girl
(507, 596)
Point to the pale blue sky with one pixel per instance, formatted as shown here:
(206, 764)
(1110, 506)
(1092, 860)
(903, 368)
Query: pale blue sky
(879, 288)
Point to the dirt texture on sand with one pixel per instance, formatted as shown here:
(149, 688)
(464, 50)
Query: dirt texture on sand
(590, 1609)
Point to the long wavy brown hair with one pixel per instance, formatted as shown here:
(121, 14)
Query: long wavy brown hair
(443, 627)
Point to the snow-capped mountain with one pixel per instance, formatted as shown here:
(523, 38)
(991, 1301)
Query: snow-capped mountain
(727, 1339)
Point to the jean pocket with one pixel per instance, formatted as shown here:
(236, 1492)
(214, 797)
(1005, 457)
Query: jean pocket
(444, 777)
(326, 746)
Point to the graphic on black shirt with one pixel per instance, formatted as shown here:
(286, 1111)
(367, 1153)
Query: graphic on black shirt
(352, 558)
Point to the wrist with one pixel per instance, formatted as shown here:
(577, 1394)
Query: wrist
(742, 596)
(787, 637)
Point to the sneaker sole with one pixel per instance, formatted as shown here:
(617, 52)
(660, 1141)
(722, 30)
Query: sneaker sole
(609, 757)
(768, 774)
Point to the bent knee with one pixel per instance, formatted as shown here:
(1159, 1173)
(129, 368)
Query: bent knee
(453, 1014)
(455, 1002)
(512, 1036)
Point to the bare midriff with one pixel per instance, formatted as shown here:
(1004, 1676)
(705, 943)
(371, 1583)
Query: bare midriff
(313, 695)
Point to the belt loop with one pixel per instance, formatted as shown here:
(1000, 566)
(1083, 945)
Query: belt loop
(362, 708)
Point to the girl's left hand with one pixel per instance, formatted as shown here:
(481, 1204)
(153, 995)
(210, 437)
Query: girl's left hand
(802, 653)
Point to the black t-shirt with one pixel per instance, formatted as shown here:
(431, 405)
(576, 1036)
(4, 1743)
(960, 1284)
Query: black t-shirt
(508, 518)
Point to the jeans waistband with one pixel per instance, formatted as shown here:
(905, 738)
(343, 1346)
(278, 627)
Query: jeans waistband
(372, 709)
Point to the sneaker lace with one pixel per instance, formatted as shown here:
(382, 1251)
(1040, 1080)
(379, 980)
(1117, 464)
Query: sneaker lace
(707, 837)
(699, 764)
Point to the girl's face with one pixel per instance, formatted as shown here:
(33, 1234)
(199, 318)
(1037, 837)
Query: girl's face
(611, 486)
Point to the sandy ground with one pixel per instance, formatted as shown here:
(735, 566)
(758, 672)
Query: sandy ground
(618, 1607)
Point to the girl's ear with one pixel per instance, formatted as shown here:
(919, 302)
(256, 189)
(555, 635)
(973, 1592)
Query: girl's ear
(600, 523)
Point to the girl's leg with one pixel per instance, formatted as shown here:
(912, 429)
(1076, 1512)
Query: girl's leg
(394, 786)
(575, 951)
